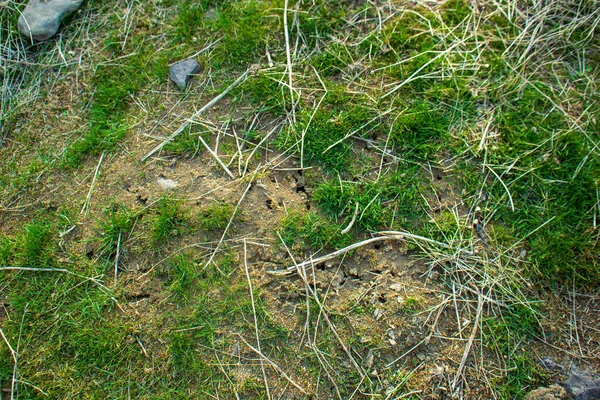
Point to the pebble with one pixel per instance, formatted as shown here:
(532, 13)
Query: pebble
(41, 19)
(167, 184)
(182, 71)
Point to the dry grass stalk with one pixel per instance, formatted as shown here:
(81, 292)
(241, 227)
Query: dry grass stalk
(211, 103)
(275, 366)
(262, 365)
(86, 203)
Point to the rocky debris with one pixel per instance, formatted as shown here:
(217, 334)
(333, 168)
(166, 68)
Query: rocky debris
(41, 19)
(554, 392)
(182, 71)
(582, 385)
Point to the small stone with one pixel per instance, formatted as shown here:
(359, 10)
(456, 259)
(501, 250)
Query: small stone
(182, 71)
(369, 359)
(397, 287)
(41, 19)
(437, 373)
(377, 314)
(554, 392)
(167, 184)
(391, 333)
(549, 364)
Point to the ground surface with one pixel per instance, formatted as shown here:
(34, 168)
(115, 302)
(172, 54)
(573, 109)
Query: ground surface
(465, 133)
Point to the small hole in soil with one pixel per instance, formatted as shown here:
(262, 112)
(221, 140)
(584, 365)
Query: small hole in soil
(269, 204)
(377, 246)
(141, 200)
(321, 266)
(381, 299)
(439, 177)
(137, 297)
(308, 206)
(90, 254)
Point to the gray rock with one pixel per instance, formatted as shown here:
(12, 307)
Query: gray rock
(582, 385)
(183, 70)
(41, 19)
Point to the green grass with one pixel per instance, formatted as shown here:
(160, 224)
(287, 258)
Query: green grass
(508, 335)
(115, 227)
(392, 201)
(311, 231)
(322, 130)
(181, 275)
(34, 246)
(401, 90)
(215, 217)
(221, 301)
(418, 133)
(170, 220)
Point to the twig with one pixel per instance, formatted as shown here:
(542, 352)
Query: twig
(118, 255)
(216, 157)
(416, 73)
(14, 387)
(407, 352)
(262, 364)
(512, 205)
(357, 130)
(275, 366)
(308, 290)
(66, 271)
(212, 256)
(413, 236)
(257, 147)
(386, 235)
(304, 264)
(139, 341)
(289, 59)
(200, 112)
(347, 229)
(469, 343)
(89, 195)
(10, 349)
(335, 333)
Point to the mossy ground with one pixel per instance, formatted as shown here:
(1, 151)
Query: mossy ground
(470, 129)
